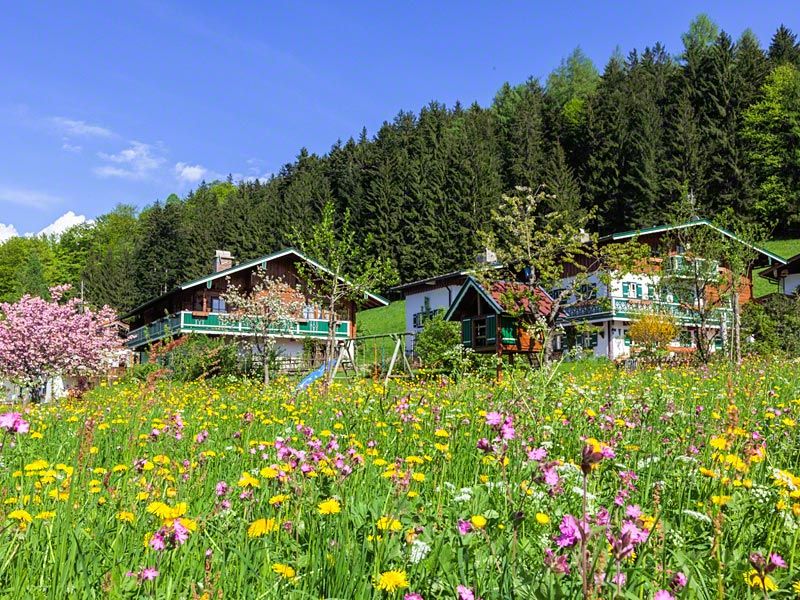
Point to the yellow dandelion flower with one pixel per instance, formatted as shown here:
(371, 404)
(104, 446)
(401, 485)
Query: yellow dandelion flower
(23, 516)
(478, 521)
(37, 465)
(330, 506)
(248, 481)
(268, 473)
(261, 527)
(754, 580)
(391, 581)
(542, 519)
(45, 515)
(389, 524)
(283, 570)
(126, 516)
(278, 499)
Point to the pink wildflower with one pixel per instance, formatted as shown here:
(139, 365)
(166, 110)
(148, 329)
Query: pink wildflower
(464, 593)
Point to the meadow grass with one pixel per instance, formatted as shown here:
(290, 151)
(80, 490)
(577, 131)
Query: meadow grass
(443, 489)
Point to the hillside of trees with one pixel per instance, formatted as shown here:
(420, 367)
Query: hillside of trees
(721, 118)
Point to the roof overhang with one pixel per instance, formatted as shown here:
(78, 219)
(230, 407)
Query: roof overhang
(472, 283)
(373, 300)
(613, 237)
(773, 271)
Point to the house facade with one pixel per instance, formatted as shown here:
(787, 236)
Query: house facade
(496, 318)
(598, 317)
(198, 306)
(787, 276)
(427, 298)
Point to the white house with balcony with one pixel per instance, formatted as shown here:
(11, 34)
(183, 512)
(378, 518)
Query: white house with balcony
(598, 316)
(426, 298)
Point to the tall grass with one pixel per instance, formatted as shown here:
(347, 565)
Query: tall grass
(414, 468)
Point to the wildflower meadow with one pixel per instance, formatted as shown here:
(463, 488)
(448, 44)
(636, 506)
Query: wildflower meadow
(590, 482)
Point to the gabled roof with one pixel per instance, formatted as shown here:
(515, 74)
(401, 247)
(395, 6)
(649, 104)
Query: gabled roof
(613, 237)
(376, 299)
(771, 272)
(430, 280)
(494, 297)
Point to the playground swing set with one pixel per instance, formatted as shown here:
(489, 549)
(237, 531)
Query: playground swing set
(353, 359)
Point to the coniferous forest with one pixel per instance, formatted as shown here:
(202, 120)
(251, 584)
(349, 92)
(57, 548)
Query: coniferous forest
(719, 117)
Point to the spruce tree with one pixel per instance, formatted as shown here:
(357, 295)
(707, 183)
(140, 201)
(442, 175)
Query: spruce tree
(784, 48)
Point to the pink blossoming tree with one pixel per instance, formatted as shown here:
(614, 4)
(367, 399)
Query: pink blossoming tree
(41, 339)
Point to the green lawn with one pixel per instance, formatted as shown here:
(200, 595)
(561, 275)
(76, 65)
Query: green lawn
(375, 321)
(785, 248)
(386, 319)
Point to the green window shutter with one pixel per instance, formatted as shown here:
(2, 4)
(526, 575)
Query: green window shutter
(491, 328)
(627, 339)
(508, 330)
(625, 288)
(466, 332)
(594, 340)
(639, 291)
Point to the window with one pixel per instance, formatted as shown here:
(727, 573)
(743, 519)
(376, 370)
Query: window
(480, 332)
(588, 291)
(218, 305)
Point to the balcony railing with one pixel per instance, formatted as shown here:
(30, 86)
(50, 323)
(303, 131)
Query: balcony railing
(629, 308)
(220, 324)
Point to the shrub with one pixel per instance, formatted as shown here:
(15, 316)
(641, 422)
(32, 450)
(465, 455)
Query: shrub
(201, 356)
(653, 331)
(438, 345)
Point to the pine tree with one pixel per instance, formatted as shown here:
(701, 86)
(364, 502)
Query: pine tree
(561, 188)
(643, 187)
(772, 136)
(784, 48)
(608, 131)
(718, 113)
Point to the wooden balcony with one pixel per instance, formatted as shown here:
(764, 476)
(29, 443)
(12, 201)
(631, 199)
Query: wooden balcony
(220, 324)
(631, 308)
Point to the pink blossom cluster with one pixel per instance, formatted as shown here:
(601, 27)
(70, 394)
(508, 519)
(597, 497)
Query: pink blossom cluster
(40, 338)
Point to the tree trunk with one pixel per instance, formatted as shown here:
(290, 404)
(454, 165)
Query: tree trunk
(331, 341)
(737, 330)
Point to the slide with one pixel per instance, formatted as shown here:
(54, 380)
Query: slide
(314, 375)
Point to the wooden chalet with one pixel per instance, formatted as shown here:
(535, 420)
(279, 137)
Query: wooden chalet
(198, 306)
(494, 320)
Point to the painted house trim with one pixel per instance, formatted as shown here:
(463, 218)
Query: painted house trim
(613, 237)
(376, 300)
(472, 283)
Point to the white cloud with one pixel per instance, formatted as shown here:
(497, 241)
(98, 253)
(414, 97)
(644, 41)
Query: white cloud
(71, 147)
(190, 173)
(82, 128)
(66, 221)
(26, 197)
(7, 232)
(138, 161)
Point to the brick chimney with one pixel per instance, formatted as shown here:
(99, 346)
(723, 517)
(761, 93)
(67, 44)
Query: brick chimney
(222, 260)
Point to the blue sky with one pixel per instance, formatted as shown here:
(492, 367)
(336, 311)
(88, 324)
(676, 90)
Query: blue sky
(103, 103)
